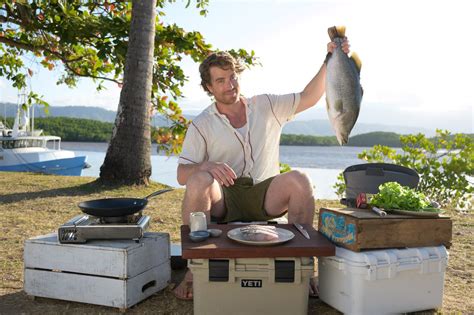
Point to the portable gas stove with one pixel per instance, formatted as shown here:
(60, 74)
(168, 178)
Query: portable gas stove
(82, 228)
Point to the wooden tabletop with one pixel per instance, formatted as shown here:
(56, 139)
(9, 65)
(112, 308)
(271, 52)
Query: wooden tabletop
(223, 247)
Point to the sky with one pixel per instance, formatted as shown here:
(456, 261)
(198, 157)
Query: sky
(417, 63)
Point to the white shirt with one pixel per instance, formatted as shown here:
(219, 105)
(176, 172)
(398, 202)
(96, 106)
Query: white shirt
(243, 130)
(211, 137)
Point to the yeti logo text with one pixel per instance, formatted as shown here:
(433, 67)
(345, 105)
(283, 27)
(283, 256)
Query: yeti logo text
(245, 283)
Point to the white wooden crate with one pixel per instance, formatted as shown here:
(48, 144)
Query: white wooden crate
(117, 273)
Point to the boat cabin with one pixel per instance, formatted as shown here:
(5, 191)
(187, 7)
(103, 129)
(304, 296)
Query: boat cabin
(50, 142)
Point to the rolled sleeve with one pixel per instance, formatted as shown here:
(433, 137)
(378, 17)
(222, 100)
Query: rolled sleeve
(284, 106)
(194, 147)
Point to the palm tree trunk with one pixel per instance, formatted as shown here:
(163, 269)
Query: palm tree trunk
(128, 156)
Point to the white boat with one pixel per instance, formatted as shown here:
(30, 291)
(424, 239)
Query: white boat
(23, 149)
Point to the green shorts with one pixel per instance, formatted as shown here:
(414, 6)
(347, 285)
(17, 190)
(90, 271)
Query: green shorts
(244, 201)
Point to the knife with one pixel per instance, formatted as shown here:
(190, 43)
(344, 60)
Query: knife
(379, 211)
(300, 228)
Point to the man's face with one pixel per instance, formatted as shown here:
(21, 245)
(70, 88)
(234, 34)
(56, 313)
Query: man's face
(224, 85)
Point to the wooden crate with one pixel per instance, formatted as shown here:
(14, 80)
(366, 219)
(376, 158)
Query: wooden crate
(361, 229)
(117, 273)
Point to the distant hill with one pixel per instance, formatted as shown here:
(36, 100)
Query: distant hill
(322, 127)
(318, 127)
(390, 139)
(88, 130)
(84, 112)
(370, 139)
(85, 130)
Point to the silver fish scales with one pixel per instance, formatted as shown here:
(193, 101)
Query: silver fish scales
(343, 89)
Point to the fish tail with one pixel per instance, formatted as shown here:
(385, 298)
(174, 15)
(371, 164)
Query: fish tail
(355, 58)
(336, 31)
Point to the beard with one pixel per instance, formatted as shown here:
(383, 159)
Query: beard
(228, 98)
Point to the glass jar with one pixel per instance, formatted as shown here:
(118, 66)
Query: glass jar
(197, 221)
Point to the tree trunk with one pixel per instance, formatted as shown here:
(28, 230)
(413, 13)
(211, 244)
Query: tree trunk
(128, 158)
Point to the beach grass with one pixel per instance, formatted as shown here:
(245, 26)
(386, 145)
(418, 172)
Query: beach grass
(34, 204)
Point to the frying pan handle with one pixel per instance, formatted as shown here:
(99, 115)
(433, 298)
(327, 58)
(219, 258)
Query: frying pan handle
(159, 192)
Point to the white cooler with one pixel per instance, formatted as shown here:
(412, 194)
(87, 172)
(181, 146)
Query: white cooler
(383, 281)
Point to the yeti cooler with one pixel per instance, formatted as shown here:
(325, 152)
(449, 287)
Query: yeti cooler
(251, 285)
(383, 281)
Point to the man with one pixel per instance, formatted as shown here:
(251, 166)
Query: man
(230, 158)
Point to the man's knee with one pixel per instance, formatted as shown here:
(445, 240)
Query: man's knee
(300, 182)
(203, 193)
(200, 181)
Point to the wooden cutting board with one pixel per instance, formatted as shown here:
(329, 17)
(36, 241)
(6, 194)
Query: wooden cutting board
(223, 247)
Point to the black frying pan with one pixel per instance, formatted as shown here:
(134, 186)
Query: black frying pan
(117, 207)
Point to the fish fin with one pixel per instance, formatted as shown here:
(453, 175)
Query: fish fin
(341, 31)
(338, 106)
(362, 90)
(336, 31)
(355, 58)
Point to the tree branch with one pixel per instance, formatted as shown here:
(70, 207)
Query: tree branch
(90, 76)
(11, 42)
(443, 154)
(34, 48)
(65, 61)
(6, 19)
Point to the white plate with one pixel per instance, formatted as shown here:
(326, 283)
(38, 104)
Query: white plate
(283, 236)
(425, 214)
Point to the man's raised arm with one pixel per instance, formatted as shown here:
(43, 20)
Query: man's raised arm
(314, 90)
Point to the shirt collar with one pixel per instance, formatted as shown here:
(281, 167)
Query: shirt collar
(243, 99)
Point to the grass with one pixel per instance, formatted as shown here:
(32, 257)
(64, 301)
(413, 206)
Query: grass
(32, 205)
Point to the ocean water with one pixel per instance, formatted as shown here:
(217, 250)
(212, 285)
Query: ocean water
(322, 164)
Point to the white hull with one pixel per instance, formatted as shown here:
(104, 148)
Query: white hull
(23, 149)
(31, 154)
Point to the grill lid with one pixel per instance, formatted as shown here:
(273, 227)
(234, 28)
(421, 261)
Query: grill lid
(366, 178)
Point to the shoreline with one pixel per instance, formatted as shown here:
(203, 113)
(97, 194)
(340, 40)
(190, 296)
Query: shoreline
(322, 164)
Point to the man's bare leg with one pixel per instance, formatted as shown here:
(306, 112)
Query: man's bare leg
(203, 193)
(293, 192)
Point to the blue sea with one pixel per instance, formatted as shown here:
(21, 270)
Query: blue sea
(322, 164)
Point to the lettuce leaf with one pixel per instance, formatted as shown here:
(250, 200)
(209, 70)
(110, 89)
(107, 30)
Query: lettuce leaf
(392, 195)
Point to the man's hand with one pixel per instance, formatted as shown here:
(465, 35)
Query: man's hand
(345, 46)
(221, 172)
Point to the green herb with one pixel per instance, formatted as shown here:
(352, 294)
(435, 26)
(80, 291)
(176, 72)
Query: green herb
(392, 195)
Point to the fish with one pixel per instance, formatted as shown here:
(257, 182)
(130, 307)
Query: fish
(259, 233)
(343, 89)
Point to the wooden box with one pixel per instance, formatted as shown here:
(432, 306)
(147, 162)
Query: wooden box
(361, 229)
(116, 273)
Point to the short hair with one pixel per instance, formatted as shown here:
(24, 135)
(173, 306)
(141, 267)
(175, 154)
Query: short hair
(220, 59)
